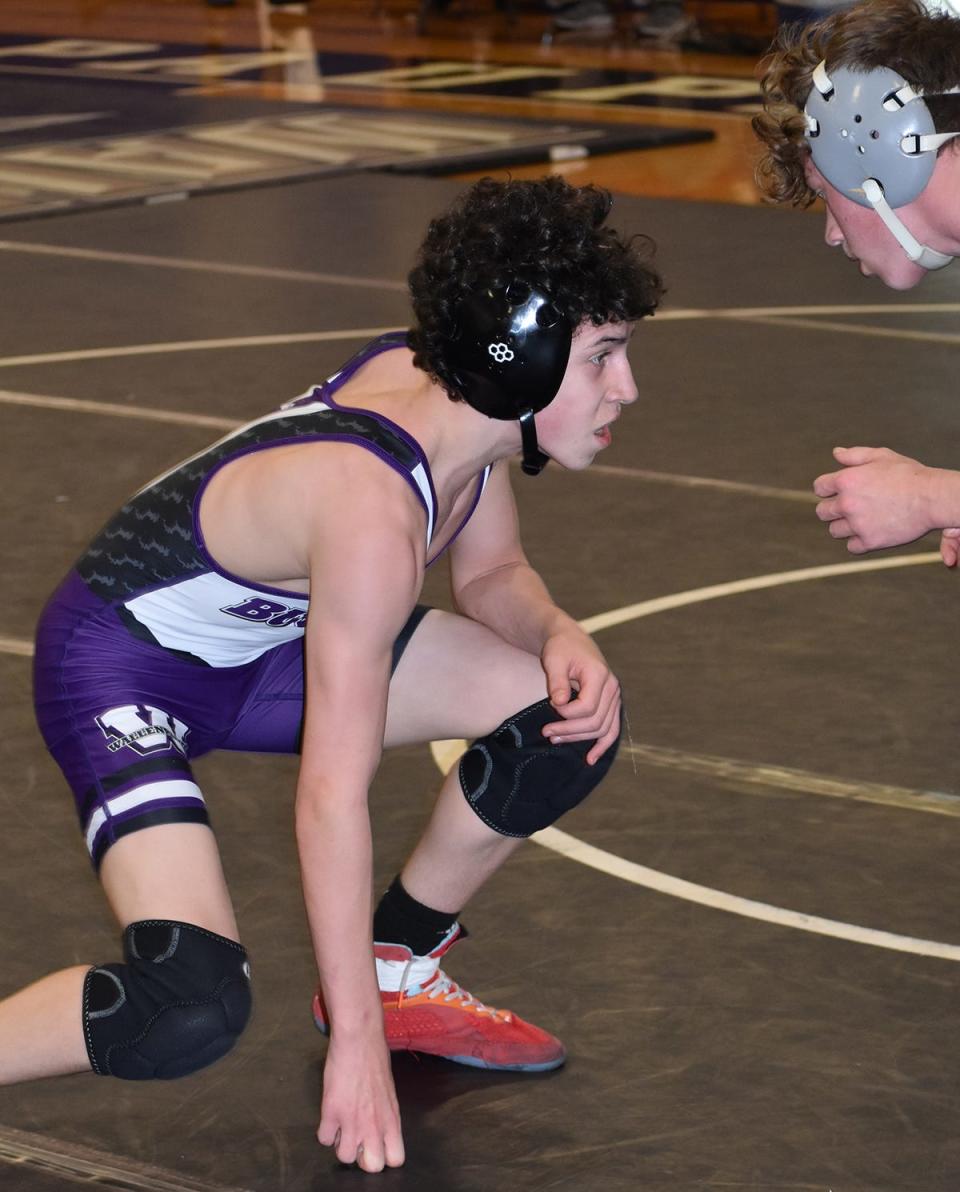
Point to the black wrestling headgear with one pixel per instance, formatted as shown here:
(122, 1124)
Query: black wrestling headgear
(508, 358)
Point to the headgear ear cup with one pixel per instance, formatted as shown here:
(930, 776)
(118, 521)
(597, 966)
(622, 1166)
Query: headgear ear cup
(509, 355)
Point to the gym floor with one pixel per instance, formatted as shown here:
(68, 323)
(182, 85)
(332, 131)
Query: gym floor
(747, 938)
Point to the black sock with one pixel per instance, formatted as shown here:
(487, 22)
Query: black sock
(400, 919)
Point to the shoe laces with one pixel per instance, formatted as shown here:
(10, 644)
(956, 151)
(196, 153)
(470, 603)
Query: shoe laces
(443, 986)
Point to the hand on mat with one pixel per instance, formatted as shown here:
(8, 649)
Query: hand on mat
(359, 1116)
(879, 499)
(573, 664)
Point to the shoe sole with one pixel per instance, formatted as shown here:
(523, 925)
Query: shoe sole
(470, 1061)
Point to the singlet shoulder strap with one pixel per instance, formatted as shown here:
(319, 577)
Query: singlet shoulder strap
(368, 429)
(383, 343)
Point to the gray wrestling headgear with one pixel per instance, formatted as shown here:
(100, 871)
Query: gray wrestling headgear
(873, 138)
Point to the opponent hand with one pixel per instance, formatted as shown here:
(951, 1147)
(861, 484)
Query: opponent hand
(879, 499)
(950, 546)
(359, 1115)
(573, 664)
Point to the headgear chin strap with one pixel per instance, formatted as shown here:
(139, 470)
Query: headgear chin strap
(508, 357)
(533, 460)
(921, 254)
(873, 138)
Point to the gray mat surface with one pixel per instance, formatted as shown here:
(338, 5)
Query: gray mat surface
(709, 1050)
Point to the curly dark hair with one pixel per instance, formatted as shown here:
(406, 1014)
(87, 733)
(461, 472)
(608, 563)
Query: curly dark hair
(921, 46)
(546, 233)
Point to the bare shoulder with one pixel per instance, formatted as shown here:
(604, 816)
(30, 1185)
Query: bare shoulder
(351, 483)
(267, 515)
(364, 551)
(353, 504)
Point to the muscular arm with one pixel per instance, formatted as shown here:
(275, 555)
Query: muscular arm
(365, 570)
(493, 583)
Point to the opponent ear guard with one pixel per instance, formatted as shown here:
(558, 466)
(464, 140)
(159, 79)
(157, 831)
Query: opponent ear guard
(873, 138)
(508, 357)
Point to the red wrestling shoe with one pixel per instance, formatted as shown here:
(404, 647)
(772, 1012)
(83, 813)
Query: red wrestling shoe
(423, 1010)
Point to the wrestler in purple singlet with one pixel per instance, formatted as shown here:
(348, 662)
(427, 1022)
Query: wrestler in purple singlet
(150, 653)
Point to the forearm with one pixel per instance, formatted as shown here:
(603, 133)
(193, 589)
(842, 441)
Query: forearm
(514, 602)
(334, 841)
(346, 707)
(359, 1116)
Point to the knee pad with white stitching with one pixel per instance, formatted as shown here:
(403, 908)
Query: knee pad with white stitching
(178, 1003)
(518, 783)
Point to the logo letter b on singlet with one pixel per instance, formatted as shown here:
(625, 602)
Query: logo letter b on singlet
(255, 609)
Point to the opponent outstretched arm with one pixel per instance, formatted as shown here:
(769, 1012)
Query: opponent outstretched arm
(493, 583)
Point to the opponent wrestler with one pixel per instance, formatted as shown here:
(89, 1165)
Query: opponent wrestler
(263, 596)
(862, 110)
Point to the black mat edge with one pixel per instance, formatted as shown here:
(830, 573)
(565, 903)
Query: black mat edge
(560, 142)
(585, 141)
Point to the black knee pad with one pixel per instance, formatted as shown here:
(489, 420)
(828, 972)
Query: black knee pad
(178, 1003)
(518, 783)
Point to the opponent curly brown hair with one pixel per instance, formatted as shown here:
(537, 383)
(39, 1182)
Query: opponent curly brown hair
(922, 47)
(546, 233)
